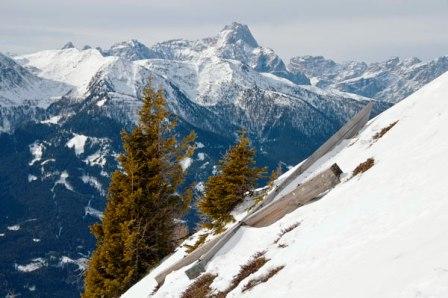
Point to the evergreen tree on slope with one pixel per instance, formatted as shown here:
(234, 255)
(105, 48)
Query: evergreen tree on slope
(142, 203)
(236, 176)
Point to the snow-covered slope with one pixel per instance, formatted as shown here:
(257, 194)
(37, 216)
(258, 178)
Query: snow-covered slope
(391, 80)
(69, 65)
(378, 234)
(130, 50)
(23, 95)
(19, 86)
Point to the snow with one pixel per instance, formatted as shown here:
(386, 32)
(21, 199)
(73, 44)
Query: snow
(92, 181)
(379, 234)
(20, 87)
(186, 163)
(31, 178)
(80, 262)
(101, 102)
(71, 66)
(14, 228)
(36, 151)
(63, 180)
(96, 159)
(77, 143)
(89, 210)
(36, 264)
(52, 120)
(200, 186)
(199, 145)
(36, 240)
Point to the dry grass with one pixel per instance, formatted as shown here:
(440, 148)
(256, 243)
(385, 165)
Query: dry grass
(156, 288)
(264, 278)
(201, 287)
(384, 130)
(282, 245)
(255, 263)
(364, 166)
(287, 230)
(201, 239)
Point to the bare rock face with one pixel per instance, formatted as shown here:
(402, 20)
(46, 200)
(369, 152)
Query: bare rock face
(68, 45)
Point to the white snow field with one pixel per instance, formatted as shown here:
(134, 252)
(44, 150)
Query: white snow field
(383, 233)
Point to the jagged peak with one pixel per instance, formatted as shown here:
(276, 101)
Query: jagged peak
(68, 45)
(236, 32)
(134, 43)
(131, 50)
(86, 47)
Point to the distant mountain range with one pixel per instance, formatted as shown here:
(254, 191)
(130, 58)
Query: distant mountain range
(61, 112)
(390, 81)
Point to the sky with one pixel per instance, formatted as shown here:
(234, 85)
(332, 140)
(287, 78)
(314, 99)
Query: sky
(369, 30)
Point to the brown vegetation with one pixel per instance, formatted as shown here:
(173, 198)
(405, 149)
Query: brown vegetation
(257, 261)
(201, 239)
(201, 287)
(287, 230)
(384, 130)
(364, 166)
(264, 278)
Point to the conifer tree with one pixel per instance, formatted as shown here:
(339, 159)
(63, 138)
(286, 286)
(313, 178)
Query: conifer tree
(277, 172)
(137, 229)
(236, 176)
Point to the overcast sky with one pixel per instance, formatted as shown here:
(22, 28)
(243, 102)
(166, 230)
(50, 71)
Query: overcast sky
(340, 29)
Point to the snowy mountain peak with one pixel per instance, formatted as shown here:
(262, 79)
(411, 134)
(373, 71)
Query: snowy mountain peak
(237, 33)
(68, 45)
(131, 50)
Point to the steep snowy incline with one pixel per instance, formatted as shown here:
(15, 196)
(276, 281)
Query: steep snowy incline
(71, 66)
(381, 233)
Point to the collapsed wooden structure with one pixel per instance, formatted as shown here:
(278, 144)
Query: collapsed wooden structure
(270, 211)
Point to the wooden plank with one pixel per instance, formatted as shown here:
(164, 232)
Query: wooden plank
(298, 197)
(187, 260)
(349, 130)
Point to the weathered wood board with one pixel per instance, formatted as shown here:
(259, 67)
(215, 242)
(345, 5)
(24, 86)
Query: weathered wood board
(298, 197)
(349, 130)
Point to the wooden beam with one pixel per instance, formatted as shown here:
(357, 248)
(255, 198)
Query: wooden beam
(349, 130)
(298, 197)
(187, 260)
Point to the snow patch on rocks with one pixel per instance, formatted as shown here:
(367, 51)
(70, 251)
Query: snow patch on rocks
(35, 264)
(77, 142)
(36, 150)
